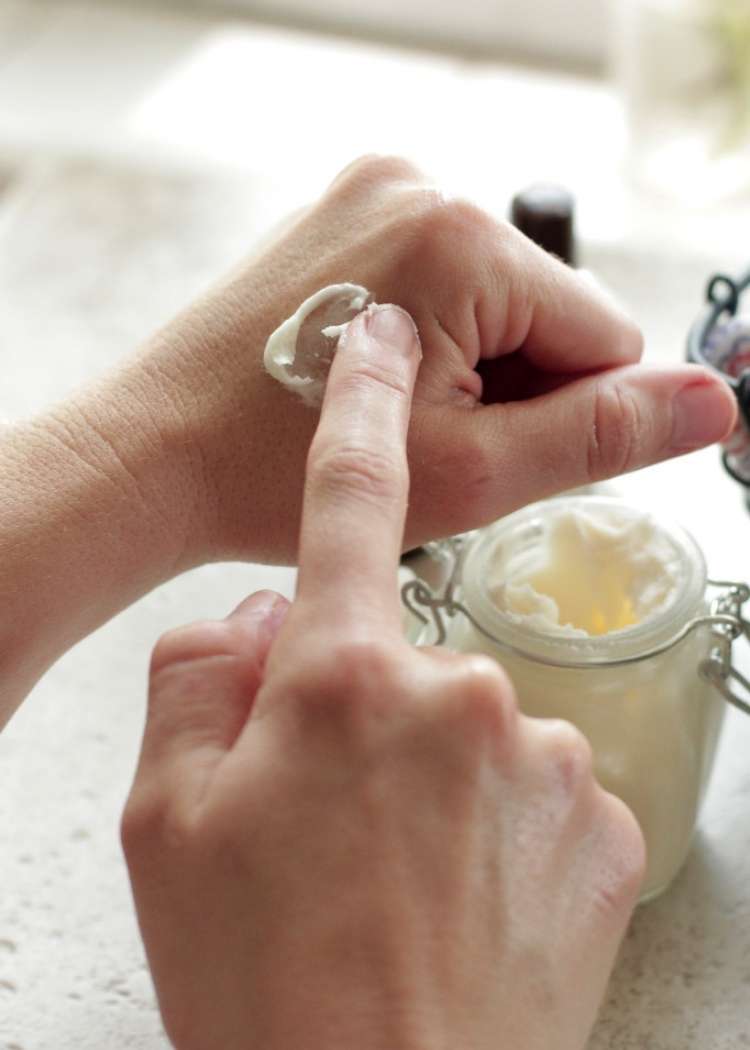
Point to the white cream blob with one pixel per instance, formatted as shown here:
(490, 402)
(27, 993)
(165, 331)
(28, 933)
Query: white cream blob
(589, 574)
(298, 353)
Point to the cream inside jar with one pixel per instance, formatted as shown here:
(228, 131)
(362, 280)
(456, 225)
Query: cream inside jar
(589, 572)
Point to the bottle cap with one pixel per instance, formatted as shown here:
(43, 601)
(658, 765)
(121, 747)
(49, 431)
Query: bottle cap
(545, 213)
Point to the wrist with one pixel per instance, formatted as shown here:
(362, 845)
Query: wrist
(119, 445)
(93, 516)
(244, 439)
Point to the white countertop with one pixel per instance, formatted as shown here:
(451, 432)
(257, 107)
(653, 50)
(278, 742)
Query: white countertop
(93, 255)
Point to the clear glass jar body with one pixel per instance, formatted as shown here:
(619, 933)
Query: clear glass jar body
(653, 722)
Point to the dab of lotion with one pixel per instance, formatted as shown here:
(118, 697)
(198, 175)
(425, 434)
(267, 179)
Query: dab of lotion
(301, 363)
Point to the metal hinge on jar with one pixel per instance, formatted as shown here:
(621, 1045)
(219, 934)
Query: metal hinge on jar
(419, 598)
(729, 624)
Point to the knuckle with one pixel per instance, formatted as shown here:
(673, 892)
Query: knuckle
(570, 755)
(373, 170)
(154, 822)
(488, 696)
(450, 222)
(186, 644)
(359, 667)
(348, 685)
(130, 829)
(463, 214)
(141, 822)
(477, 712)
(614, 431)
(355, 471)
(623, 856)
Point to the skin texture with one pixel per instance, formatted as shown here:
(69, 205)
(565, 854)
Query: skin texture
(336, 840)
(190, 452)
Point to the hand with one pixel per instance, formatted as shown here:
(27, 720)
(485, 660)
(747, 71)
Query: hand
(336, 840)
(191, 452)
(498, 318)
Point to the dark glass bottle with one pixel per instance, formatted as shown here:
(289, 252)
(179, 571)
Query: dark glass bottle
(546, 214)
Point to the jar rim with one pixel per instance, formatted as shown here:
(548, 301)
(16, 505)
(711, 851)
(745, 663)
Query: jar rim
(625, 645)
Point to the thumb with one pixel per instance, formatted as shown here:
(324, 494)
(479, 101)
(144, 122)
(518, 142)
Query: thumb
(203, 681)
(595, 428)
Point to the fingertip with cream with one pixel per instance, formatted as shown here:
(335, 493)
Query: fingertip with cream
(387, 323)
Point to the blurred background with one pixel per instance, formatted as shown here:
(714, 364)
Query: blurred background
(520, 87)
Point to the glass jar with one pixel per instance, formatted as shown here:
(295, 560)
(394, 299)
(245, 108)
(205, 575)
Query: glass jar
(649, 697)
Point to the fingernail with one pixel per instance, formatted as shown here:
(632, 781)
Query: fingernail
(702, 413)
(263, 605)
(277, 613)
(390, 324)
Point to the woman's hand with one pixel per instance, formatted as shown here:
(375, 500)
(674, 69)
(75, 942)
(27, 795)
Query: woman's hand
(336, 840)
(191, 452)
(499, 320)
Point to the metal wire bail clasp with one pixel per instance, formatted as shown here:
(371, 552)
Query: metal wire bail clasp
(728, 625)
(417, 596)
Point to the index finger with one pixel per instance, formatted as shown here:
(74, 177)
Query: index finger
(357, 480)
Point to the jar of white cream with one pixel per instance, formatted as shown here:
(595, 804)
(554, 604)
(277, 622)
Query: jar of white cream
(603, 615)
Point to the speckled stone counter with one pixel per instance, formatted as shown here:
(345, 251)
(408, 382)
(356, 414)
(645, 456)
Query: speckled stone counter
(91, 259)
